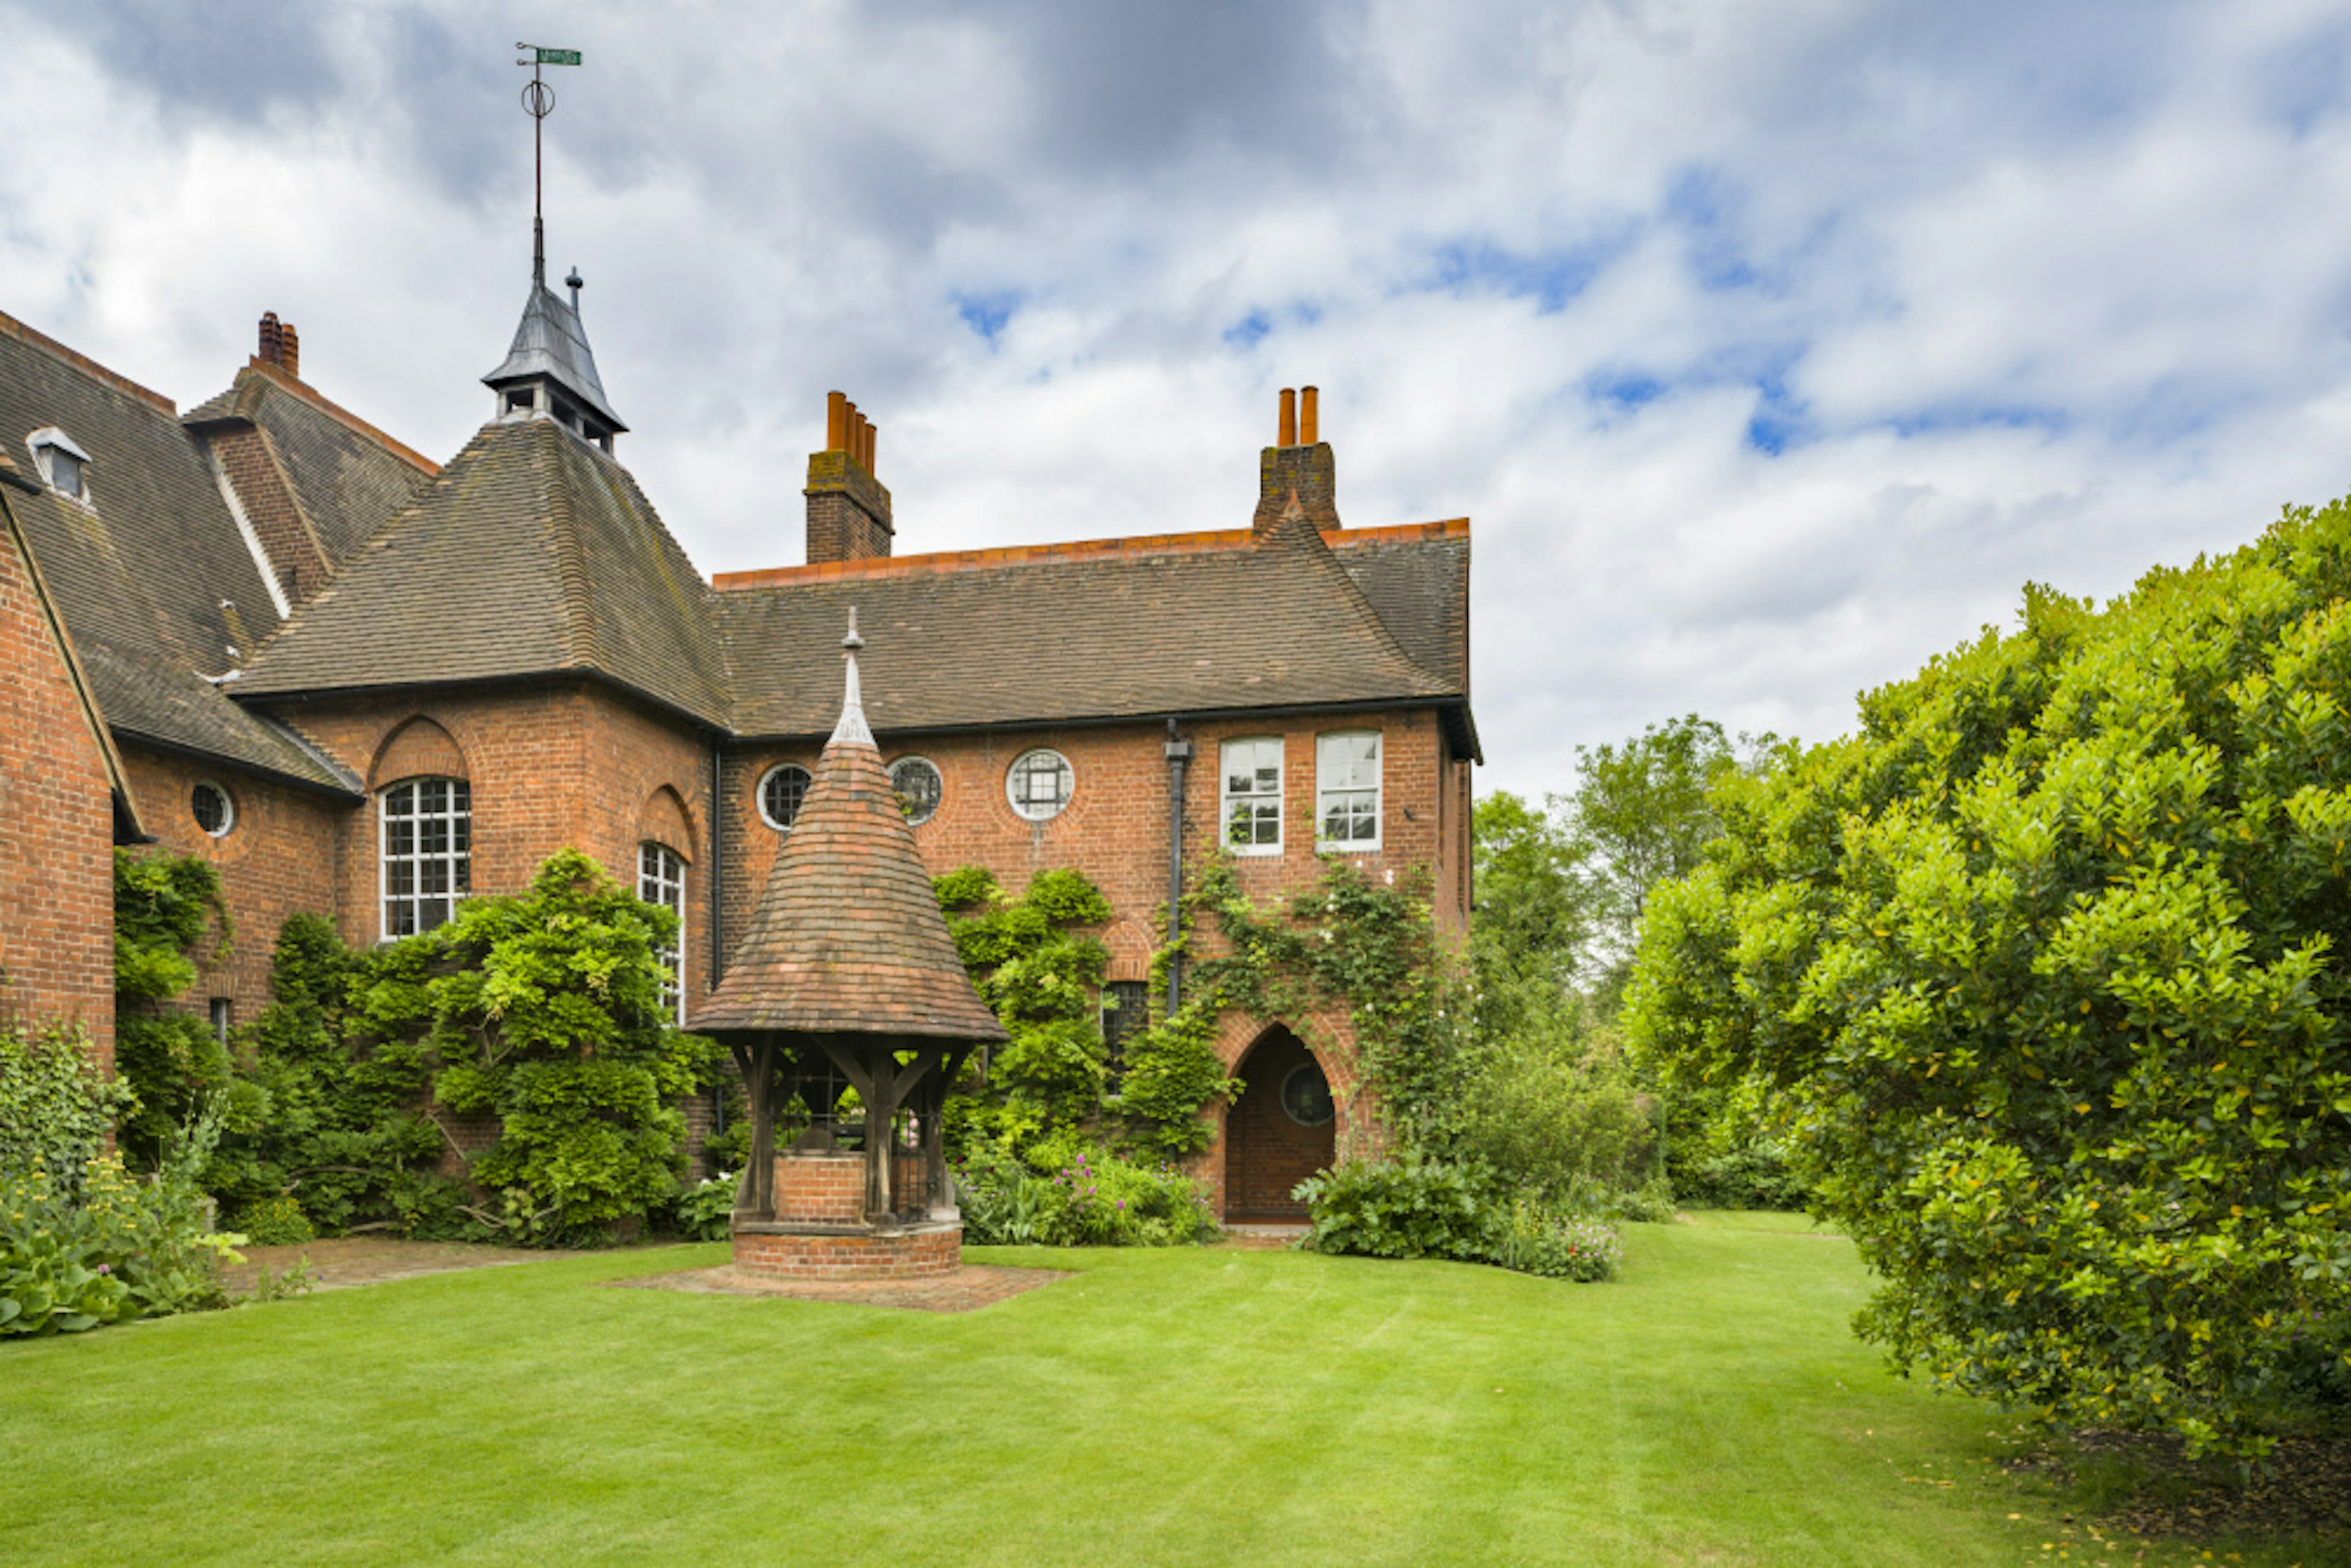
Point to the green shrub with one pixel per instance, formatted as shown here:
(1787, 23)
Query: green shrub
(1534, 1240)
(1412, 1206)
(167, 909)
(55, 1105)
(274, 1222)
(1088, 1197)
(1409, 1206)
(110, 1246)
(705, 1210)
(1562, 1126)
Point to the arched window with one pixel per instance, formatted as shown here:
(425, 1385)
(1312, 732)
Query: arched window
(1041, 784)
(428, 859)
(782, 793)
(661, 879)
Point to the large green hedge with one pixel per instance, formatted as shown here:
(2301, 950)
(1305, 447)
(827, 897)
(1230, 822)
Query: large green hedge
(2047, 964)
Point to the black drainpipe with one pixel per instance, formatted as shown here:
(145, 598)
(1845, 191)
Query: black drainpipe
(717, 906)
(1179, 754)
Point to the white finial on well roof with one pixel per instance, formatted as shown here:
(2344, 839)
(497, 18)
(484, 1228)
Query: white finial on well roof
(852, 730)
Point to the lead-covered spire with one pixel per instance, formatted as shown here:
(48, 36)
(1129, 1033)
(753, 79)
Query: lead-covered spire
(852, 730)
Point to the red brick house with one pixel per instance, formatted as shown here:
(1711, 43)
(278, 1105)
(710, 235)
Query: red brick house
(370, 685)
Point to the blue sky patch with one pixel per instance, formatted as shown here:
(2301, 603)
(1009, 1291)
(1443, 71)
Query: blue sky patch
(988, 314)
(1549, 278)
(1245, 332)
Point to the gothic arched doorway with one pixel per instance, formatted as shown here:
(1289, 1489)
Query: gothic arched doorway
(1280, 1131)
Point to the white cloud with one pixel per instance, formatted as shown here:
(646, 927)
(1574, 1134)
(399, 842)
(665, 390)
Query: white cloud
(2021, 292)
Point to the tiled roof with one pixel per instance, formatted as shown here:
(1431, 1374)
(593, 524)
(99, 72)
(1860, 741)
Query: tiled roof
(848, 938)
(348, 477)
(531, 553)
(152, 576)
(1180, 623)
(1417, 579)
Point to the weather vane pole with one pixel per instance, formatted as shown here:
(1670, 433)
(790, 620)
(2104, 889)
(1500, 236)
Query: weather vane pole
(539, 102)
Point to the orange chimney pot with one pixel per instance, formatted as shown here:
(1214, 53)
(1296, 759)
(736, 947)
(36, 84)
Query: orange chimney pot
(1288, 435)
(1309, 416)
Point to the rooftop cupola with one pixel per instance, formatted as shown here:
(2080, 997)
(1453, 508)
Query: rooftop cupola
(550, 370)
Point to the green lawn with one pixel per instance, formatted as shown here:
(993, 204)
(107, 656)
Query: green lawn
(1161, 1407)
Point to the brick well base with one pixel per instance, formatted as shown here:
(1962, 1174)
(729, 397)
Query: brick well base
(781, 1251)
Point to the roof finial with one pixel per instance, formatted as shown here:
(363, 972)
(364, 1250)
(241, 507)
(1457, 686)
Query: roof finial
(852, 730)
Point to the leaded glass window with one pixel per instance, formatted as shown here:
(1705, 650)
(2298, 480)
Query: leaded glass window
(428, 859)
(1041, 784)
(661, 879)
(782, 794)
(920, 789)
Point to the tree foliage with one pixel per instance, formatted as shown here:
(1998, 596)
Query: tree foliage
(2047, 962)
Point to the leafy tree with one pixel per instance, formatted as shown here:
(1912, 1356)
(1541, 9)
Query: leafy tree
(2046, 962)
(1643, 813)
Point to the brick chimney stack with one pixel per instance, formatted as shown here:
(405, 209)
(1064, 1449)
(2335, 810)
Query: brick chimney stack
(280, 346)
(848, 509)
(1299, 460)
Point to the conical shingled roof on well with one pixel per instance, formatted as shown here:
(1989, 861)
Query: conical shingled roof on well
(848, 938)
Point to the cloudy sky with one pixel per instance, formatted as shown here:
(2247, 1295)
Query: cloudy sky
(1770, 347)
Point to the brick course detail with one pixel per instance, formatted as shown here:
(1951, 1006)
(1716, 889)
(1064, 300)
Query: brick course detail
(796, 1253)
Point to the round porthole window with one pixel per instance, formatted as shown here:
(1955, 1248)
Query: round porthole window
(782, 794)
(919, 788)
(1306, 1096)
(215, 814)
(1041, 784)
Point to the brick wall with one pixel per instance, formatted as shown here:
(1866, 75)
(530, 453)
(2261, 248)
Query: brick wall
(57, 828)
(827, 1189)
(551, 764)
(1115, 830)
(279, 858)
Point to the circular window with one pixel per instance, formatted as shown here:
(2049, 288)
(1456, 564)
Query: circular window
(919, 788)
(782, 794)
(1306, 1096)
(1040, 784)
(215, 813)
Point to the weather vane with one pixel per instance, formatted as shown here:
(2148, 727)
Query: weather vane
(539, 102)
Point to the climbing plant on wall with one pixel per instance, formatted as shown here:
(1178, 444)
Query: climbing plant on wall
(168, 918)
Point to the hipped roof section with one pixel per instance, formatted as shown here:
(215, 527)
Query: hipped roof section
(1135, 628)
(848, 938)
(532, 553)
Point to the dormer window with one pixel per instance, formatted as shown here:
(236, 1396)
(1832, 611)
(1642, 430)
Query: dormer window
(60, 462)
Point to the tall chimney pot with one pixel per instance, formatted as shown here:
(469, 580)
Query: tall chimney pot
(1288, 435)
(1309, 416)
(836, 422)
(289, 350)
(271, 334)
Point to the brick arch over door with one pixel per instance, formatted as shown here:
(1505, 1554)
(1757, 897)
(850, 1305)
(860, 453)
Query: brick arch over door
(419, 748)
(1267, 1152)
(665, 820)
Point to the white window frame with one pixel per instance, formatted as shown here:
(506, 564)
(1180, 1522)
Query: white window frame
(1022, 807)
(661, 879)
(228, 808)
(455, 860)
(912, 821)
(50, 438)
(760, 794)
(1338, 779)
(1261, 806)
